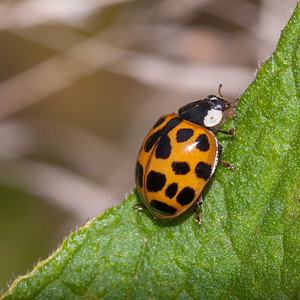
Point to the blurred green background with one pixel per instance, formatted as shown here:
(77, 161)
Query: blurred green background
(81, 82)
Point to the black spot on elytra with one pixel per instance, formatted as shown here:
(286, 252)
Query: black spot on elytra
(163, 149)
(203, 170)
(171, 124)
(184, 134)
(163, 208)
(171, 190)
(180, 168)
(139, 174)
(152, 140)
(155, 181)
(160, 121)
(186, 196)
(202, 142)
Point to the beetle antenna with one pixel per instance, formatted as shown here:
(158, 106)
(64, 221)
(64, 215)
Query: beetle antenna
(219, 90)
(234, 101)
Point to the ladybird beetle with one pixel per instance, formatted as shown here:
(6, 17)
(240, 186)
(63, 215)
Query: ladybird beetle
(179, 156)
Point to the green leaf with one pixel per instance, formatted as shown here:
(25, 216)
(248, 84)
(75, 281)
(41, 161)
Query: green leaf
(248, 245)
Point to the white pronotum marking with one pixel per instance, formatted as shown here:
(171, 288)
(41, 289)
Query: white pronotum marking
(213, 118)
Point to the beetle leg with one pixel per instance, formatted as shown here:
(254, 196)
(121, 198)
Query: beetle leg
(230, 132)
(198, 204)
(139, 207)
(225, 164)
